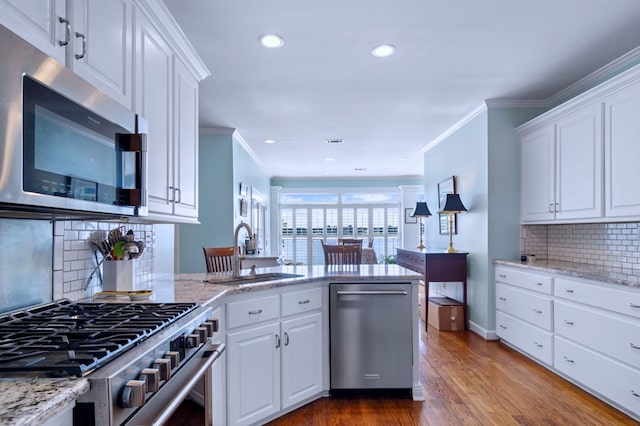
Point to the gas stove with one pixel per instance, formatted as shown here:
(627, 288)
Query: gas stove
(140, 358)
(67, 338)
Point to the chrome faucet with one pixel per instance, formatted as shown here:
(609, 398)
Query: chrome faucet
(236, 256)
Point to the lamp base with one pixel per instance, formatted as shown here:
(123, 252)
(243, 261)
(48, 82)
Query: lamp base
(420, 246)
(451, 250)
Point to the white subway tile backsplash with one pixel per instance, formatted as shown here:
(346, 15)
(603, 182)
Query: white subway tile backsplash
(609, 244)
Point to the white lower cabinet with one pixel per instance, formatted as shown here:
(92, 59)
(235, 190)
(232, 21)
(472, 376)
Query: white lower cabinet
(275, 353)
(588, 331)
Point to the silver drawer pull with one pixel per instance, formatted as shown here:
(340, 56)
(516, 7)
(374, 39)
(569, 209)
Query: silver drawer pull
(539, 284)
(502, 275)
(304, 302)
(537, 344)
(568, 322)
(634, 393)
(256, 312)
(570, 361)
(504, 299)
(634, 305)
(503, 327)
(537, 311)
(631, 345)
(568, 290)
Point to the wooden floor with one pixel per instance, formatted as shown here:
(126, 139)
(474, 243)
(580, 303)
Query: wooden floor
(467, 381)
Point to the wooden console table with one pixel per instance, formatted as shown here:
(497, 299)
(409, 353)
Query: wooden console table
(437, 266)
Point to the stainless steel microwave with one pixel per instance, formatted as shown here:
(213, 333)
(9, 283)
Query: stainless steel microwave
(67, 148)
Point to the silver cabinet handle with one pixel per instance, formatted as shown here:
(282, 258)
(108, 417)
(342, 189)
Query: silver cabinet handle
(557, 207)
(84, 45)
(537, 311)
(286, 339)
(504, 299)
(504, 327)
(179, 192)
(277, 341)
(634, 305)
(67, 31)
(569, 360)
(540, 284)
(568, 322)
(502, 275)
(551, 208)
(304, 302)
(172, 197)
(256, 312)
(631, 345)
(568, 290)
(634, 393)
(537, 344)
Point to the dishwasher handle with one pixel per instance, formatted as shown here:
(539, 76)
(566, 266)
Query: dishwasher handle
(371, 292)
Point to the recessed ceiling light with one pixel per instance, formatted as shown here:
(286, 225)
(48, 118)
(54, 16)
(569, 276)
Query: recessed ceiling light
(383, 50)
(271, 40)
(402, 158)
(333, 141)
(329, 159)
(269, 141)
(360, 169)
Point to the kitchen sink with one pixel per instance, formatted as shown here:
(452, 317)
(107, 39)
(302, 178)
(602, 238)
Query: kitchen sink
(244, 279)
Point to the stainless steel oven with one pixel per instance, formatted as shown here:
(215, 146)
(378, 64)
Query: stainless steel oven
(141, 359)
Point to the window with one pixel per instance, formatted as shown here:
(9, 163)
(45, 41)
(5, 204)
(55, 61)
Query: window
(308, 219)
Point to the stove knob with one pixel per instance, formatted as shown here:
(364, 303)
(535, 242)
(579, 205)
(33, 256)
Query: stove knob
(209, 326)
(193, 340)
(152, 377)
(134, 394)
(163, 365)
(203, 332)
(214, 324)
(174, 357)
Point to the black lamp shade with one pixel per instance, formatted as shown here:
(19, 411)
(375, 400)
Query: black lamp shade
(421, 210)
(453, 204)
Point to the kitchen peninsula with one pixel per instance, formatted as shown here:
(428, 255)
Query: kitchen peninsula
(288, 302)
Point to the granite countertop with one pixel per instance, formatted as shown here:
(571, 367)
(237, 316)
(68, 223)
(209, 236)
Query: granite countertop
(32, 401)
(610, 274)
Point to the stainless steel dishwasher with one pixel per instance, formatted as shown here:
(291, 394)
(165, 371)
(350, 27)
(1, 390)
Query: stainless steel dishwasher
(370, 334)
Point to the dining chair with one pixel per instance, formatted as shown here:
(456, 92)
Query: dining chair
(347, 241)
(345, 254)
(218, 259)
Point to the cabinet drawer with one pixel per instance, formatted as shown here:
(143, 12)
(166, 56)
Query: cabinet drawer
(534, 308)
(611, 334)
(611, 379)
(527, 280)
(296, 302)
(251, 311)
(602, 295)
(524, 336)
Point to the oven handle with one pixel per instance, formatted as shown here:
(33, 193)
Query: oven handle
(177, 400)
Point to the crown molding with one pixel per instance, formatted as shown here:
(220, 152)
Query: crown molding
(238, 138)
(517, 103)
(456, 126)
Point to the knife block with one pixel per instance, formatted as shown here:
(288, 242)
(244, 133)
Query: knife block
(118, 275)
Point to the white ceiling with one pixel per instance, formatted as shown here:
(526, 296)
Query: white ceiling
(324, 84)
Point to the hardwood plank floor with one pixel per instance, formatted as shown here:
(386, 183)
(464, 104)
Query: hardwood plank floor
(467, 381)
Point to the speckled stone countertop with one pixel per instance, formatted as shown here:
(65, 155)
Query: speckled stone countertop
(609, 274)
(33, 401)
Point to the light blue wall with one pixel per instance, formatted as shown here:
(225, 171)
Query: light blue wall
(216, 207)
(247, 171)
(346, 183)
(483, 156)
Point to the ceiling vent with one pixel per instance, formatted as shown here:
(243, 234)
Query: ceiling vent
(333, 141)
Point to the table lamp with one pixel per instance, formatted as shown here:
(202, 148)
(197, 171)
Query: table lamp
(421, 211)
(452, 205)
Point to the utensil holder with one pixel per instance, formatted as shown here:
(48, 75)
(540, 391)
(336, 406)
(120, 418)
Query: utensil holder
(118, 275)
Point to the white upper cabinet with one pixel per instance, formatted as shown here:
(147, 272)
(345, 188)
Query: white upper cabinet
(579, 164)
(44, 24)
(93, 38)
(622, 151)
(592, 174)
(101, 45)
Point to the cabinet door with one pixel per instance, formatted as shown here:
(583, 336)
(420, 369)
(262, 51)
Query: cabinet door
(153, 81)
(537, 175)
(101, 45)
(39, 23)
(301, 358)
(579, 164)
(185, 150)
(622, 150)
(253, 374)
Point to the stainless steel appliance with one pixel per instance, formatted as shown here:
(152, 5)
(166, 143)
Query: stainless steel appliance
(67, 147)
(370, 335)
(142, 359)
